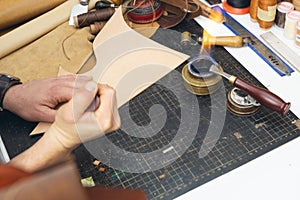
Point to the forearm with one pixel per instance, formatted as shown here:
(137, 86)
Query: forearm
(44, 153)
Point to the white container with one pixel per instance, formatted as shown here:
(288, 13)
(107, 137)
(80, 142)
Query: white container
(291, 20)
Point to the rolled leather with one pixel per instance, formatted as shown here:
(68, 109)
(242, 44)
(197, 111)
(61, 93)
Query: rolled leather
(18, 11)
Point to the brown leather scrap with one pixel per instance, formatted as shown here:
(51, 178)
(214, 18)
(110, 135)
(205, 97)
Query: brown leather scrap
(177, 10)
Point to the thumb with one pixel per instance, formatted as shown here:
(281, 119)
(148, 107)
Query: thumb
(83, 98)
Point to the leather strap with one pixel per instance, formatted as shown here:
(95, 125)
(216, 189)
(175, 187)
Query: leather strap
(178, 10)
(174, 17)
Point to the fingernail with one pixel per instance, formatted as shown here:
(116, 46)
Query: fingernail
(90, 86)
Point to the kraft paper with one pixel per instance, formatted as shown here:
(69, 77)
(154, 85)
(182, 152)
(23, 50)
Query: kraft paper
(18, 11)
(37, 27)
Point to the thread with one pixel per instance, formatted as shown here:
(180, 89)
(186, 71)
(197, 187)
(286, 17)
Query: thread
(290, 30)
(96, 27)
(266, 13)
(89, 18)
(253, 10)
(282, 9)
(145, 11)
(298, 34)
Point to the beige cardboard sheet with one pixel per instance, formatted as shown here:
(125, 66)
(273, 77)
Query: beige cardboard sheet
(128, 61)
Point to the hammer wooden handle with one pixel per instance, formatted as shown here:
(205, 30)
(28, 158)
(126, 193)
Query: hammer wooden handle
(263, 96)
(230, 41)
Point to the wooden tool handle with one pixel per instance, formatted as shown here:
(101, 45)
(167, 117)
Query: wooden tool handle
(230, 41)
(263, 96)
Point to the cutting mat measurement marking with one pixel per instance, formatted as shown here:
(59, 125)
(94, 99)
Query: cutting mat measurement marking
(287, 53)
(274, 61)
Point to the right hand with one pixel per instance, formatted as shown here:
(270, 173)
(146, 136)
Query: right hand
(91, 113)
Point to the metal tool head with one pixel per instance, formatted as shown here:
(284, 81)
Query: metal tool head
(200, 66)
(213, 68)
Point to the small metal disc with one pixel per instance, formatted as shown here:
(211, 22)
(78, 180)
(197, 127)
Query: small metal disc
(241, 103)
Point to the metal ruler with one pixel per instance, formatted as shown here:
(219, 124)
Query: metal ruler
(282, 49)
(4, 157)
(257, 46)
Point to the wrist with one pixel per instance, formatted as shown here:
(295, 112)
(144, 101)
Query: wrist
(6, 83)
(64, 140)
(11, 96)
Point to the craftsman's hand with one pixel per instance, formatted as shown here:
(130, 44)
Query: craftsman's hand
(37, 100)
(91, 113)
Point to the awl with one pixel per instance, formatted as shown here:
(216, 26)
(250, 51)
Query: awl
(263, 96)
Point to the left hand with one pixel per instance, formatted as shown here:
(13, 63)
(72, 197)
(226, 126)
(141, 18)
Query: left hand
(38, 100)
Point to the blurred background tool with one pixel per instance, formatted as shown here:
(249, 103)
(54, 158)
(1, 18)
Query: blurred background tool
(80, 8)
(209, 12)
(209, 40)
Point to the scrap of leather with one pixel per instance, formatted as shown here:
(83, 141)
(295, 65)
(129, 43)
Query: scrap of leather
(18, 11)
(121, 52)
(174, 16)
(177, 10)
(64, 46)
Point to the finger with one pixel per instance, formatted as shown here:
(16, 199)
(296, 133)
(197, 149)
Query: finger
(83, 98)
(64, 88)
(72, 81)
(107, 113)
(46, 115)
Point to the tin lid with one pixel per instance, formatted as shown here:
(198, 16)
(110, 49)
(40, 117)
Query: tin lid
(294, 15)
(285, 7)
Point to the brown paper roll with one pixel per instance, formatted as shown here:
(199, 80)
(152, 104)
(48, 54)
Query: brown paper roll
(62, 47)
(18, 11)
(37, 27)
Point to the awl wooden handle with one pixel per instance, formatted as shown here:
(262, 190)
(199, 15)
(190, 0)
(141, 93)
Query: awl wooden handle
(263, 96)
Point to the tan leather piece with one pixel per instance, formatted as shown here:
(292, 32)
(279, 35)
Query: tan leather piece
(18, 11)
(121, 52)
(43, 57)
